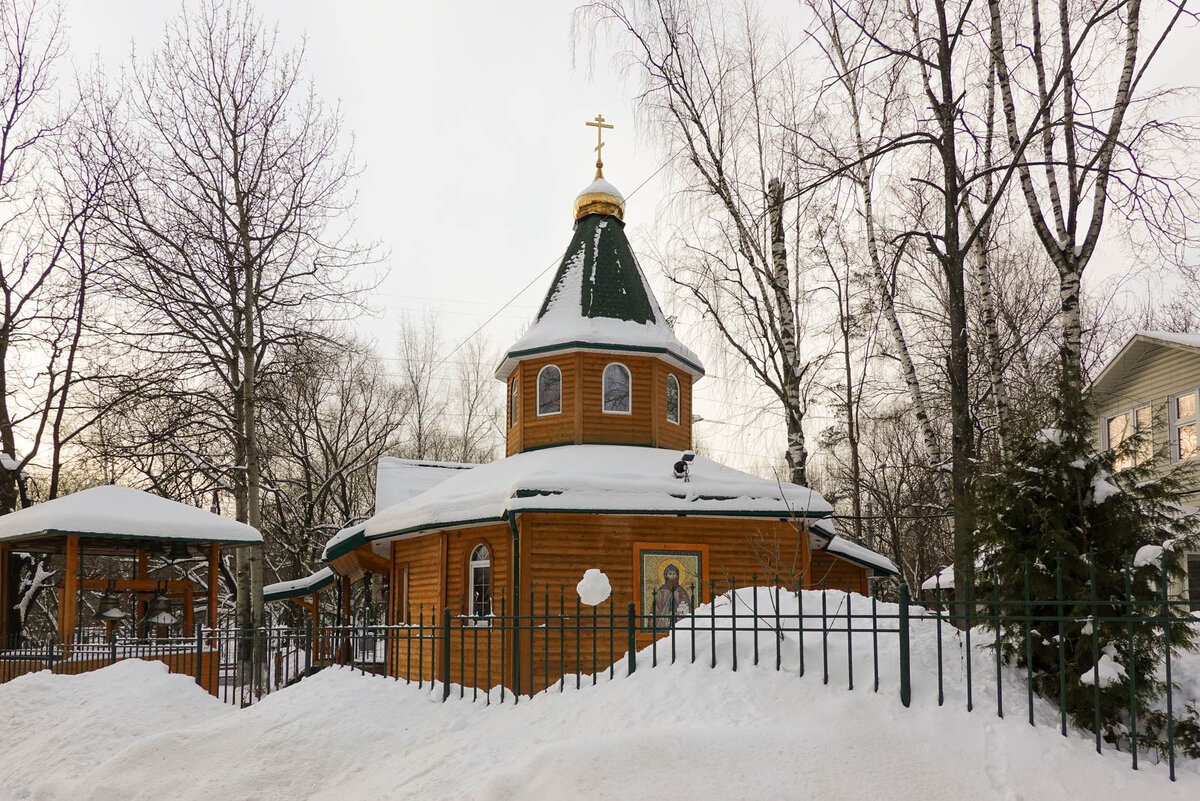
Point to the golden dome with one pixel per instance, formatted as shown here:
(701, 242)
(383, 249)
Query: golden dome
(600, 197)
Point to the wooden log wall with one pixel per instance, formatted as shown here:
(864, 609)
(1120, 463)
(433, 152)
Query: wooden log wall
(583, 419)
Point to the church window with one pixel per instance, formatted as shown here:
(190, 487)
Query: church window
(672, 399)
(549, 390)
(616, 389)
(512, 406)
(479, 581)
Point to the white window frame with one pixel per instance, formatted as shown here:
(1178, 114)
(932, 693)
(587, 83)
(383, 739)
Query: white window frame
(538, 400)
(678, 399)
(604, 389)
(472, 564)
(1175, 423)
(1106, 438)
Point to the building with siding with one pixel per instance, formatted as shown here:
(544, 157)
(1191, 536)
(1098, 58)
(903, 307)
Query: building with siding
(1151, 389)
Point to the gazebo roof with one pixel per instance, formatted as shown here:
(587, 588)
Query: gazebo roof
(123, 513)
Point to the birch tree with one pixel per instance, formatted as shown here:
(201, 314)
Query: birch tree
(1094, 146)
(722, 101)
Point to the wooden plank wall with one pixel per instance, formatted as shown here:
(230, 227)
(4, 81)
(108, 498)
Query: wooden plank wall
(836, 574)
(556, 549)
(583, 419)
(564, 545)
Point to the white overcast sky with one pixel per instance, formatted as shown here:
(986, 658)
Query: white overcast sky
(468, 119)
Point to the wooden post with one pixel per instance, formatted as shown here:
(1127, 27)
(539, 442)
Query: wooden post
(344, 652)
(189, 612)
(68, 601)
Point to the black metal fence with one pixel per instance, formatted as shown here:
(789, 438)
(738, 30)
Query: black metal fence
(937, 653)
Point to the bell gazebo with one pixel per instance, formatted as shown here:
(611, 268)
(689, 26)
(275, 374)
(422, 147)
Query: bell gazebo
(130, 573)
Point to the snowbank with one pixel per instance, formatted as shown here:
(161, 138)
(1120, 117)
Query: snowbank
(674, 730)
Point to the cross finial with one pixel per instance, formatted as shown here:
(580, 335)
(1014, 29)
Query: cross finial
(599, 125)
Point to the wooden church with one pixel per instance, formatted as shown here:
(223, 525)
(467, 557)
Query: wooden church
(598, 474)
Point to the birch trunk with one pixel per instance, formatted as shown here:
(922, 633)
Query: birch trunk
(862, 180)
(793, 402)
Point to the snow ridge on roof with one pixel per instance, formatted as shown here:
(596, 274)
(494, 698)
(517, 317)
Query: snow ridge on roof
(609, 479)
(111, 511)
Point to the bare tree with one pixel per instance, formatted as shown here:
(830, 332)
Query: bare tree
(231, 217)
(333, 414)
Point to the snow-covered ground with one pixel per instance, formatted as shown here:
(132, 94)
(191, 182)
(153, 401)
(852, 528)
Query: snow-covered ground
(133, 731)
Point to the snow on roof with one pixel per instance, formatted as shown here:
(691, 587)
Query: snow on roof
(943, 579)
(111, 511)
(600, 299)
(344, 541)
(600, 185)
(296, 587)
(398, 480)
(1173, 337)
(862, 555)
(611, 479)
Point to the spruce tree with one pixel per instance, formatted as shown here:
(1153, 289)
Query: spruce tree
(1058, 521)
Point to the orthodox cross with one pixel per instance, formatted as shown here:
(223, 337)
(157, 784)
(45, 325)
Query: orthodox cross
(599, 125)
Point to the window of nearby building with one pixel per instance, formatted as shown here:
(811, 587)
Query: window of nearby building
(1121, 426)
(616, 389)
(672, 399)
(512, 406)
(1193, 579)
(479, 580)
(1184, 443)
(549, 390)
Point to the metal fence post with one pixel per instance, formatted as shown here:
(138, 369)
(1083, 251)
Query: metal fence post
(199, 653)
(905, 678)
(632, 638)
(308, 645)
(445, 653)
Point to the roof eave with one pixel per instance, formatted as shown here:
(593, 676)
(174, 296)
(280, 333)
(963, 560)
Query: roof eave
(504, 370)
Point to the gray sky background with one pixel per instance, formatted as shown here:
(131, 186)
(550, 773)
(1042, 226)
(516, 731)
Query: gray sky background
(468, 119)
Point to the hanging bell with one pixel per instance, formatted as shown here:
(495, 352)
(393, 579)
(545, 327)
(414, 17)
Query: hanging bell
(158, 612)
(109, 607)
(155, 548)
(179, 552)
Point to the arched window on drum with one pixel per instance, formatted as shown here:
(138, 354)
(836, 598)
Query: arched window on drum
(672, 399)
(616, 389)
(549, 391)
